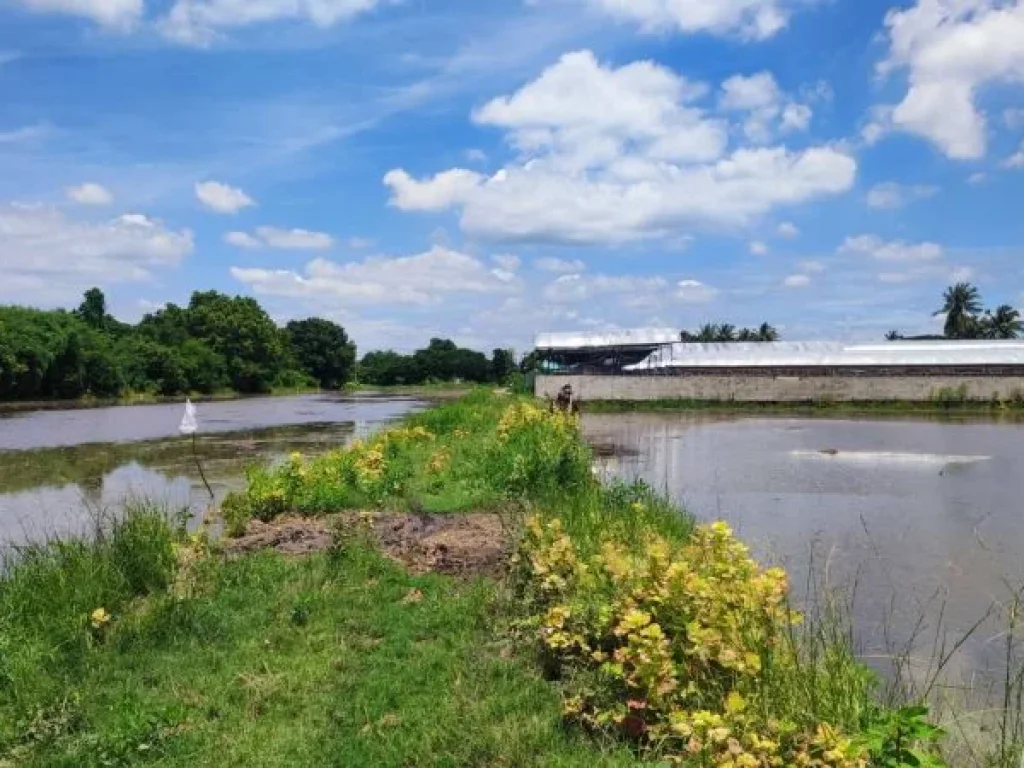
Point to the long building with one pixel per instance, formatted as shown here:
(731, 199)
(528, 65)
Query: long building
(652, 364)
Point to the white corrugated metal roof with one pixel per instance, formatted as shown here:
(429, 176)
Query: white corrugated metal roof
(634, 338)
(808, 354)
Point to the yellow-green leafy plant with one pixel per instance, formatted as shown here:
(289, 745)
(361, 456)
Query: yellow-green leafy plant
(665, 642)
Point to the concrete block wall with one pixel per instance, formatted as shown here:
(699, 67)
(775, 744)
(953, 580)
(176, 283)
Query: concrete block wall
(777, 389)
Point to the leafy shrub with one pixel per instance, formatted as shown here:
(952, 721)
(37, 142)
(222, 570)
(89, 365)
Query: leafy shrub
(666, 643)
(903, 739)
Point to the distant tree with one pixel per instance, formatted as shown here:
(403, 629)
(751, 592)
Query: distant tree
(388, 369)
(503, 364)
(707, 333)
(961, 305)
(767, 333)
(322, 349)
(726, 333)
(747, 335)
(529, 362)
(894, 335)
(1004, 323)
(93, 309)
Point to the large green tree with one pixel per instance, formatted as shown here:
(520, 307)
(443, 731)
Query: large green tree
(239, 330)
(961, 304)
(322, 349)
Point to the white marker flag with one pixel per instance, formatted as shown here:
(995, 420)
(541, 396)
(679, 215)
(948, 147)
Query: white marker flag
(189, 422)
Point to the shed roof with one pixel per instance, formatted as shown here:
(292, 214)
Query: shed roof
(639, 337)
(808, 354)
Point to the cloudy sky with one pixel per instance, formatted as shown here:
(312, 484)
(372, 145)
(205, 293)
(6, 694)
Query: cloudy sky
(489, 170)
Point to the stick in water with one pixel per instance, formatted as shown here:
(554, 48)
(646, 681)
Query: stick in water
(190, 426)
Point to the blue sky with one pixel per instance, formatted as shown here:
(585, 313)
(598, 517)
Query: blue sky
(486, 171)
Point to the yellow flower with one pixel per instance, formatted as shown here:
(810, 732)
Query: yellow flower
(99, 618)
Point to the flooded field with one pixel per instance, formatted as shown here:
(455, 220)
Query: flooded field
(58, 468)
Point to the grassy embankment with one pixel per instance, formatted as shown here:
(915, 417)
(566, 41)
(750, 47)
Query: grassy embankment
(657, 641)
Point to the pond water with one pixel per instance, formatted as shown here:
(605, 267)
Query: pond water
(922, 520)
(58, 469)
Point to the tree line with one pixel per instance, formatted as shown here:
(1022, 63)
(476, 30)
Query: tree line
(215, 343)
(441, 360)
(724, 332)
(966, 319)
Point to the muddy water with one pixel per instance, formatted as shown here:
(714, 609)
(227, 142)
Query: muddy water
(58, 468)
(919, 518)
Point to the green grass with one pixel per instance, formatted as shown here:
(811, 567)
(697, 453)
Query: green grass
(321, 661)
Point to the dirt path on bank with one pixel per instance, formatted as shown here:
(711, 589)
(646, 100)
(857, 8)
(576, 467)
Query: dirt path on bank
(457, 545)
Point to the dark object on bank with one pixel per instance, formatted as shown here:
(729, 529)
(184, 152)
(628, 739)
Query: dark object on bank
(565, 402)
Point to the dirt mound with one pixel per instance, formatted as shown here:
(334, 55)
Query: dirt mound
(458, 545)
(289, 537)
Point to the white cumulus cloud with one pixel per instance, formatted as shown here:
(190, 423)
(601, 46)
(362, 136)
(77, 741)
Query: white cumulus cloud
(423, 279)
(755, 19)
(284, 239)
(621, 154)
(89, 194)
(759, 248)
(767, 110)
(47, 256)
(1016, 160)
(788, 230)
(222, 198)
(695, 292)
(797, 281)
(434, 194)
(950, 49)
(559, 266)
(896, 250)
(200, 22)
(114, 14)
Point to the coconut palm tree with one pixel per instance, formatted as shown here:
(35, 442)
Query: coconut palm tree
(767, 333)
(708, 332)
(894, 335)
(1004, 323)
(747, 334)
(726, 333)
(961, 306)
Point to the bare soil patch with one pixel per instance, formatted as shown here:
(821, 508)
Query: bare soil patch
(458, 545)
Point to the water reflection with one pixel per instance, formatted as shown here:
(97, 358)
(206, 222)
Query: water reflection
(56, 490)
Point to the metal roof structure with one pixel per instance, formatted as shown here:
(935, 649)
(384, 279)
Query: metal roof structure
(640, 337)
(825, 354)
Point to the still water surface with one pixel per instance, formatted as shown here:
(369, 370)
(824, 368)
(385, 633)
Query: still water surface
(57, 468)
(923, 517)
